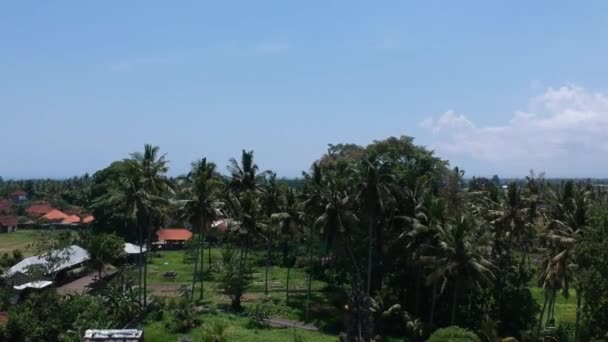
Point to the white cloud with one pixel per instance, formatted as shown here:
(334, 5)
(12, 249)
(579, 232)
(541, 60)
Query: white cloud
(564, 129)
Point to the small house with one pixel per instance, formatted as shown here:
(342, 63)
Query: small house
(18, 196)
(39, 209)
(55, 216)
(170, 238)
(8, 223)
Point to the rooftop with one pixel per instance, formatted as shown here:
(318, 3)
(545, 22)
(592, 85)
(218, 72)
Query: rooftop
(68, 257)
(174, 234)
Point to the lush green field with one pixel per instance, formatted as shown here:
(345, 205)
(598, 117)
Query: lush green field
(565, 309)
(239, 329)
(21, 239)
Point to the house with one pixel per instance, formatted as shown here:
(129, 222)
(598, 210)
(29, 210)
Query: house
(58, 261)
(172, 237)
(38, 209)
(18, 196)
(8, 223)
(55, 216)
(88, 219)
(72, 219)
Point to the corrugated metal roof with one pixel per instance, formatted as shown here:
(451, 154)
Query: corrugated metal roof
(70, 256)
(132, 249)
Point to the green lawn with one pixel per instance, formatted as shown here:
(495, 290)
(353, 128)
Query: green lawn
(565, 309)
(322, 312)
(239, 329)
(21, 239)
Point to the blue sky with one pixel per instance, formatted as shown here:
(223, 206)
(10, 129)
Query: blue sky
(495, 87)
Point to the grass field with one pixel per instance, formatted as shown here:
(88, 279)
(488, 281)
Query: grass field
(565, 309)
(21, 239)
(239, 329)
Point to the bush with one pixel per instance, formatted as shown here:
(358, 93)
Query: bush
(264, 308)
(183, 316)
(453, 334)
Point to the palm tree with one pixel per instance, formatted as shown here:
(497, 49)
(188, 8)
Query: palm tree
(459, 256)
(290, 223)
(151, 168)
(244, 176)
(372, 195)
(202, 206)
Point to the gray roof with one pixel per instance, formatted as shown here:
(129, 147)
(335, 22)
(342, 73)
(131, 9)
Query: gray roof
(69, 257)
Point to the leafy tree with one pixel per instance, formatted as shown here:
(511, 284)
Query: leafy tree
(104, 249)
(453, 334)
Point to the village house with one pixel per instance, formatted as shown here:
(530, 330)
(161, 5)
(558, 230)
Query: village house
(8, 223)
(18, 196)
(170, 238)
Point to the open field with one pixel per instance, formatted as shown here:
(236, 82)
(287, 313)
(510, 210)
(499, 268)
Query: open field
(173, 261)
(21, 239)
(239, 329)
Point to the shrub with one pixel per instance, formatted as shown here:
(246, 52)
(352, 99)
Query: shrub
(453, 334)
(215, 332)
(183, 316)
(264, 308)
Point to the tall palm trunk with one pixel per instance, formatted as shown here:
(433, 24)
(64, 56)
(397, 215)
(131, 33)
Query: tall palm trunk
(433, 303)
(310, 269)
(551, 310)
(287, 287)
(148, 244)
(542, 313)
(196, 253)
(579, 297)
(370, 248)
(267, 265)
(455, 301)
(140, 263)
(202, 261)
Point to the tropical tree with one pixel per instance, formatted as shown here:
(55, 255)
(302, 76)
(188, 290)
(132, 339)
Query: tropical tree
(460, 257)
(201, 208)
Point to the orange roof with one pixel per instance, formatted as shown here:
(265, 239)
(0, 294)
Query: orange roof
(8, 220)
(39, 208)
(88, 219)
(174, 234)
(72, 219)
(55, 215)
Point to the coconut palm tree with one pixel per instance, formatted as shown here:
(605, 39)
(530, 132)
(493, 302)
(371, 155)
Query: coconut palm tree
(372, 195)
(202, 206)
(290, 222)
(459, 257)
(244, 176)
(151, 168)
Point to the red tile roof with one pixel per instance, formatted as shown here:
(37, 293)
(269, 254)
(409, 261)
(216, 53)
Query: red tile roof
(39, 209)
(88, 219)
(72, 219)
(8, 220)
(174, 234)
(55, 215)
(19, 193)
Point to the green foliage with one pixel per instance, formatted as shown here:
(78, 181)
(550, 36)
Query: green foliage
(215, 332)
(263, 309)
(233, 278)
(104, 249)
(453, 334)
(183, 316)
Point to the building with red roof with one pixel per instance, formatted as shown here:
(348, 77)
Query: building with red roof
(18, 196)
(72, 219)
(38, 209)
(55, 216)
(8, 223)
(173, 237)
(88, 219)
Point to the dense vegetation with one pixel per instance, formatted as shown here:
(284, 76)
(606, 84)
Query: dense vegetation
(413, 245)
